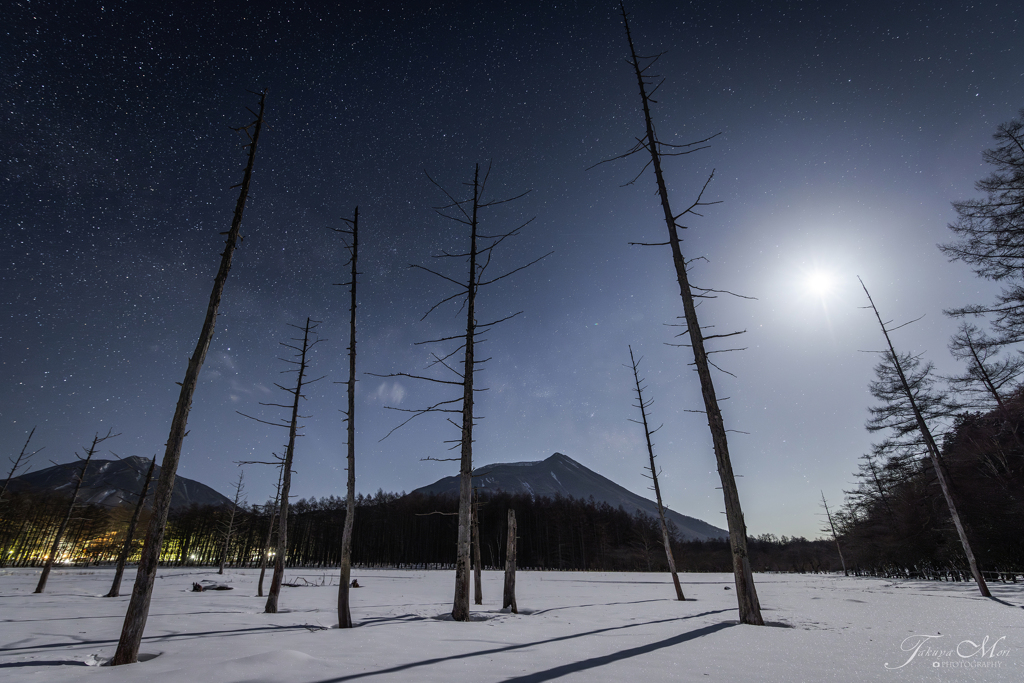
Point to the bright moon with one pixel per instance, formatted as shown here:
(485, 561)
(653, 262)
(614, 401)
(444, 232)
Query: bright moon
(819, 282)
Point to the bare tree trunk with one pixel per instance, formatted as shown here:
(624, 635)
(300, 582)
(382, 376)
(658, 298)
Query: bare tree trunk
(508, 598)
(142, 593)
(835, 536)
(55, 548)
(666, 539)
(460, 608)
(122, 558)
(746, 593)
(239, 488)
(266, 551)
(478, 589)
(270, 533)
(945, 483)
(286, 477)
(17, 463)
(345, 582)
(481, 250)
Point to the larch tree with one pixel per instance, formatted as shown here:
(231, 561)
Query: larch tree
(302, 348)
(142, 592)
(476, 258)
(230, 526)
(988, 378)
(273, 507)
(345, 569)
(58, 537)
(835, 535)
(129, 534)
(990, 232)
(643, 404)
(906, 396)
(649, 144)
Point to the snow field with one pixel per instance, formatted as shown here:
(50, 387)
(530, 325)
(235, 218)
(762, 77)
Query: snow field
(572, 626)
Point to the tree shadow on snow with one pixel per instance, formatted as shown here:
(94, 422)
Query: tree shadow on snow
(42, 662)
(594, 662)
(563, 670)
(185, 635)
(598, 604)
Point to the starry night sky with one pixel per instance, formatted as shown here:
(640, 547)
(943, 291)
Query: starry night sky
(845, 133)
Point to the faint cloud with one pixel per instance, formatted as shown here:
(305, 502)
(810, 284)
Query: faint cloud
(390, 393)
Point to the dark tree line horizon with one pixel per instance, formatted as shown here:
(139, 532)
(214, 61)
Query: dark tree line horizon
(901, 536)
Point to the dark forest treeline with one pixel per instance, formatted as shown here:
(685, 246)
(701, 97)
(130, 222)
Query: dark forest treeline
(896, 523)
(402, 531)
(893, 525)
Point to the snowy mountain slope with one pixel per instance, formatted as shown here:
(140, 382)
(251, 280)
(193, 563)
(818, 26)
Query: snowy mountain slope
(561, 475)
(113, 482)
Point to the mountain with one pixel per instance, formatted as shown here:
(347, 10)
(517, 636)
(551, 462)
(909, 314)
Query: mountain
(560, 474)
(112, 482)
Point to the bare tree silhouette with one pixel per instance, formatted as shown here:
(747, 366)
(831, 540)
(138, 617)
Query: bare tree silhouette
(138, 607)
(643, 405)
(746, 593)
(477, 257)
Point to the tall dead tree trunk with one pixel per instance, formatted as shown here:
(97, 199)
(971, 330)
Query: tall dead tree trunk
(270, 533)
(835, 536)
(129, 536)
(59, 536)
(230, 529)
(478, 588)
(945, 483)
(345, 570)
(508, 598)
(302, 353)
(460, 607)
(746, 593)
(142, 593)
(478, 258)
(648, 432)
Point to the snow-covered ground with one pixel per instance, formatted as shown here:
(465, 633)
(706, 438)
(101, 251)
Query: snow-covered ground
(572, 627)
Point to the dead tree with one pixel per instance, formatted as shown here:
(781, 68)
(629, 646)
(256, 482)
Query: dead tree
(344, 583)
(835, 536)
(138, 607)
(945, 483)
(229, 529)
(478, 589)
(643, 405)
(746, 594)
(478, 258)
(508, 598)
(129, 534)
(59, 536)
(270, 532)
(302, 348)
(19, 462)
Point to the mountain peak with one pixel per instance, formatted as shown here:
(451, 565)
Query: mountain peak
(560, 475)
(116, 482)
